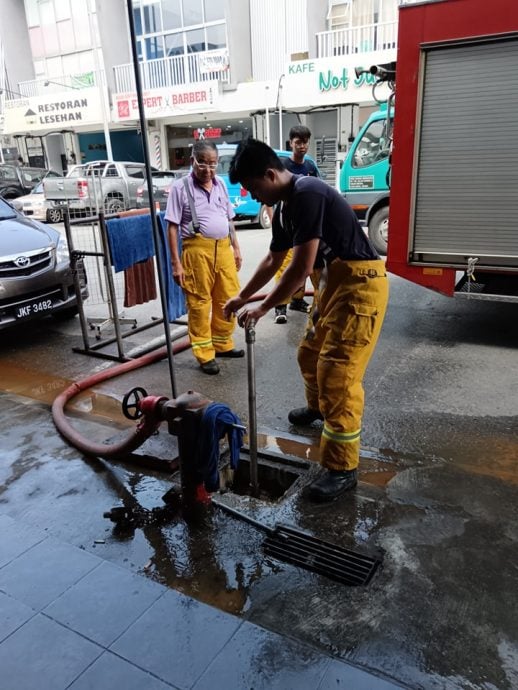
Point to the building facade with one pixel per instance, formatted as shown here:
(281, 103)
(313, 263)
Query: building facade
(218, 69)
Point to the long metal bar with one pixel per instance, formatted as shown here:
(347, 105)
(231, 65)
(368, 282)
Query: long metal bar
(80, 305)
(112, 298)
(252, 412)
(154, 220)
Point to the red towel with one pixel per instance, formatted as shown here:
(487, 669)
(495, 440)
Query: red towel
(139, 283)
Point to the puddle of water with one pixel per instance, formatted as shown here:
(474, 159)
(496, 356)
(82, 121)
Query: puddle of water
(45, 388)
(30, 384)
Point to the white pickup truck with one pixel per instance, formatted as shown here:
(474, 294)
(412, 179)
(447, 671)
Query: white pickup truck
(98, 186)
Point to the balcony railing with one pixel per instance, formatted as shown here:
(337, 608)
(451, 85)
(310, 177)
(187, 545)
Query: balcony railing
(45, 86)
(176, 70)
(357, 39)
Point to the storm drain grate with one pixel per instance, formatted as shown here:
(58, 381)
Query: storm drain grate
(339, 564)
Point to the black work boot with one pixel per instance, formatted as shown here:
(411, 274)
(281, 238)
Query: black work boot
(331, 484)
(210, 367)
(303, 416)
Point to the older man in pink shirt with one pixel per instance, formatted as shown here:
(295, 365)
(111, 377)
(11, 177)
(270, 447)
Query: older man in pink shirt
(207, 269)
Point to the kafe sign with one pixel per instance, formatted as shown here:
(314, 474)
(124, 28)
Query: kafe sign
(191, 98)
(66, 110)
(332, 80)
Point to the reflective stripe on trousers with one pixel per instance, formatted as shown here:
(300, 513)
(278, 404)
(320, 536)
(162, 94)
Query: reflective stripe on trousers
(210, 280)
(336, 349)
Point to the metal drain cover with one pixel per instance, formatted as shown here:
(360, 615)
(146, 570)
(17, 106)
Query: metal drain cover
(322, 557)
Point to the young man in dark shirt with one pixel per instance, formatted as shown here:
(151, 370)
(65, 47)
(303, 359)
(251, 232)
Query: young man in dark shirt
(351, 293)
(298, 165)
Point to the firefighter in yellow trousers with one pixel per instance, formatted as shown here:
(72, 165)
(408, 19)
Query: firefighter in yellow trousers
(351, 294)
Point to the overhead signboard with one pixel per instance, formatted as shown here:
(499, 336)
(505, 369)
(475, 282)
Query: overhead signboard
(190, 98)
(333, 80)
(65, 110)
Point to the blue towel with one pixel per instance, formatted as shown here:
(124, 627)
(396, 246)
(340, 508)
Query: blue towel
(217, 421)
(176, 305)
(130, 240)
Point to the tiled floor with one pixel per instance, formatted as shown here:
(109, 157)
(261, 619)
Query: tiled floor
(71, 620)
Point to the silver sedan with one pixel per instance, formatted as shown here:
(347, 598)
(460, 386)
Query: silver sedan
(36, 206)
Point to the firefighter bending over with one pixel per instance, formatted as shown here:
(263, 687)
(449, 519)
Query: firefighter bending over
(351, 293)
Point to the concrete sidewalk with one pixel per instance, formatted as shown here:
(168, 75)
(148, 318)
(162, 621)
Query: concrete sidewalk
(69, 619)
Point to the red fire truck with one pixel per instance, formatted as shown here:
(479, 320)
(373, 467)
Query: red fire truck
(454, 190)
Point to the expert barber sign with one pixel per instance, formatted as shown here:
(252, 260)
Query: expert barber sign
(194, 98)
(43, 113)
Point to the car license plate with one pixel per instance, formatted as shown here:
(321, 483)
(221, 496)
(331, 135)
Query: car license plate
(34, 308)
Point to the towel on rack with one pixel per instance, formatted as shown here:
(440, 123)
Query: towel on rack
(139, 283)
(176, 305)
(130, 239)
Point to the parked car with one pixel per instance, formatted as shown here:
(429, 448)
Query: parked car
(101, 185)
(245, 207)
(16, 180)
(37, 207)
(35, 275)
(162, 181)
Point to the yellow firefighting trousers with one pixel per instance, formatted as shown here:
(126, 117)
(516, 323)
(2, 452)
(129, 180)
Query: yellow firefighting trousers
(210, 279)
(348, 311)
(287, 260)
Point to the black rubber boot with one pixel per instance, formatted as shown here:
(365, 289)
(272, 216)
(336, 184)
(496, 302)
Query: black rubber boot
(331, 484)
(210, 367)
(303, 416)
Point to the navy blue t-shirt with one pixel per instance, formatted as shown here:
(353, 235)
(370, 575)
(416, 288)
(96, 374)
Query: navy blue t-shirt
(307, 167)
(315, 210)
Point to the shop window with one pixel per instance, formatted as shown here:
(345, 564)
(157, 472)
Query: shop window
(214, 10)
(152, 19)
(154, 48)
(192, 12)
(137, 20)
(172, 15)
(216, 37)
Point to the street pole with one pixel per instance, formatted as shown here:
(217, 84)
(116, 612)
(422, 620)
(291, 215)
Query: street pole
(149, 179)
(279, 106)
(100, 77)
(267, 116)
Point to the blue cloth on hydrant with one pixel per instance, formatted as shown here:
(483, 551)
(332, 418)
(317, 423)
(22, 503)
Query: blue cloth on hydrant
(216, 422)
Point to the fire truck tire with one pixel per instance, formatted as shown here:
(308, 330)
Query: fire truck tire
(379, 229)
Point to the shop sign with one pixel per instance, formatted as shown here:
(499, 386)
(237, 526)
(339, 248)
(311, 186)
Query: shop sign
(207, 133)
(332, 79)
(193, 98)
(340, 80)
(53, 112)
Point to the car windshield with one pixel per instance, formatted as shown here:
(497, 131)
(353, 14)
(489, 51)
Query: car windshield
(6, 211)
(38, 189)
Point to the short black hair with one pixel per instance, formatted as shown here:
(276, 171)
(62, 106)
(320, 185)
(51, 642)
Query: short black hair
(252, 159)
(301, 132)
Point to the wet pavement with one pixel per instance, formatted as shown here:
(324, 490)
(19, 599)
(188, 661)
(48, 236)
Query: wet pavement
(437, 502)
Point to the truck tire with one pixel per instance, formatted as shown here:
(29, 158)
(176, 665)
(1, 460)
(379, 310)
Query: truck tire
(379, 229)
(113, 204)
(264, 218)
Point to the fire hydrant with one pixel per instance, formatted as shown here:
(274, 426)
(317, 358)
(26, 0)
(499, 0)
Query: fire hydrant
(183, 416)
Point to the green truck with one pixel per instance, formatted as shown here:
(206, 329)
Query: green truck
(365, 175)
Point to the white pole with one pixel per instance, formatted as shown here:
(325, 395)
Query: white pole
(279, 106)
(267, 116)
(281, 147)
(100, 77)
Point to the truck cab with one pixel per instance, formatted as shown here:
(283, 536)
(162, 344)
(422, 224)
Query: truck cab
(364, 177)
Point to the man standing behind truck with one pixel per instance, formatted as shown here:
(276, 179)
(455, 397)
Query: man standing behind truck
(298, 165)
(315, 220)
